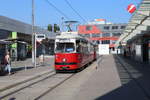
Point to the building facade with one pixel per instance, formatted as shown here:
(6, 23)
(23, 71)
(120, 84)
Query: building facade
(20, 34)
(101, 32)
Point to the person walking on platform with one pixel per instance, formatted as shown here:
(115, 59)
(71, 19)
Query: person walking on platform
(7, 63)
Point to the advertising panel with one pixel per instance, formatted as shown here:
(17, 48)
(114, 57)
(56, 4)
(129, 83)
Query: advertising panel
(103, 49)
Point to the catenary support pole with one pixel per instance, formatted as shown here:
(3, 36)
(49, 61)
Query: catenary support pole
(33, 38)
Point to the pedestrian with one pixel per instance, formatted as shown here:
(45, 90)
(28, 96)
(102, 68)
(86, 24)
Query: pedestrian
(7, 63)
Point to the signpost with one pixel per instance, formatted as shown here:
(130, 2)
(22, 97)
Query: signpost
(33, 38)
(40, 37)
(131, 8)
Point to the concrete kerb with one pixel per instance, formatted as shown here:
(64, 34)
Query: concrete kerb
(25, 80)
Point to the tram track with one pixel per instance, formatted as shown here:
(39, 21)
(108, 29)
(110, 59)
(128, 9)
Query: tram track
(24, 84)
(125, 67)
(49, 90)
(32, 84)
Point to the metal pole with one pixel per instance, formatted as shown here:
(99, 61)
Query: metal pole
(33, 38)
(62, 24)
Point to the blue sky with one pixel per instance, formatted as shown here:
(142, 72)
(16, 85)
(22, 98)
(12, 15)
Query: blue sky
(111, 10)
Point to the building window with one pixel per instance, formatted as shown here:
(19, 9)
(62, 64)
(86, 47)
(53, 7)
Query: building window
(105, 41)
(106, 35)
(122, 27)
(114, 41)
(114, 27)
(106, 27)
(87, 35)
(82, 35)
(95, 35)
(116, 34)
(88, 28)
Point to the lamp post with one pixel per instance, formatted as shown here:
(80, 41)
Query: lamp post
(33, 38)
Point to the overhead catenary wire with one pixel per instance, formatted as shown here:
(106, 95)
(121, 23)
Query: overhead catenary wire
(75, 10)
(57, 9)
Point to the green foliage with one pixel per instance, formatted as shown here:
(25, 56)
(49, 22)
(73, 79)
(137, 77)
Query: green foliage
(49, 28)
(56, 28)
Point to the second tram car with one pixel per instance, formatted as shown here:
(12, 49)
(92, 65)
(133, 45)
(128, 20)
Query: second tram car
(73, 51)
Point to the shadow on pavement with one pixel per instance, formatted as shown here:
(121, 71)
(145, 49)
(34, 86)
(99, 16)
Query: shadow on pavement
(135, 79)
(21, 68)
(15, 70)
(128, 91)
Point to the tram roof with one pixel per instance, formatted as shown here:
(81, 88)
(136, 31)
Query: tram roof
(72, 35)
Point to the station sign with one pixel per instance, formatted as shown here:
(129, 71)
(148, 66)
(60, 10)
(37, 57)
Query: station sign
(40, 37)
(131, 8)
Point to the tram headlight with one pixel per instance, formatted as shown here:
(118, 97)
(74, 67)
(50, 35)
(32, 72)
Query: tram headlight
(64, 59)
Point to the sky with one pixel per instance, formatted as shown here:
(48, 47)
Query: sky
(112, 10)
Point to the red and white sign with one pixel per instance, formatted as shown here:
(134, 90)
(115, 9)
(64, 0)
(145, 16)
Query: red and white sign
(131, 8)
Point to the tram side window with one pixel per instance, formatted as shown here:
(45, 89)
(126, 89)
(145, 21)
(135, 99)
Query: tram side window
(91, 48)
(78, 46)
(82, 46)
(85, 47)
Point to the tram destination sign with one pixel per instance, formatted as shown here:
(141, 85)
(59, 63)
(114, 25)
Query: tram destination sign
(65, 40)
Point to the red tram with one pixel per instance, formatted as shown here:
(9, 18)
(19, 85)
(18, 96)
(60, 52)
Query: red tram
(73, 51)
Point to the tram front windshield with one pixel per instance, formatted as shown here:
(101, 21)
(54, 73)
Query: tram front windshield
(64, 47)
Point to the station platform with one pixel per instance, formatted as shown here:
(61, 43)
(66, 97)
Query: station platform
(117, 78)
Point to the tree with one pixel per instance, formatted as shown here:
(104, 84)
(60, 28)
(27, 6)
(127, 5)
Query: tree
(56, 28)
(49, 27)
